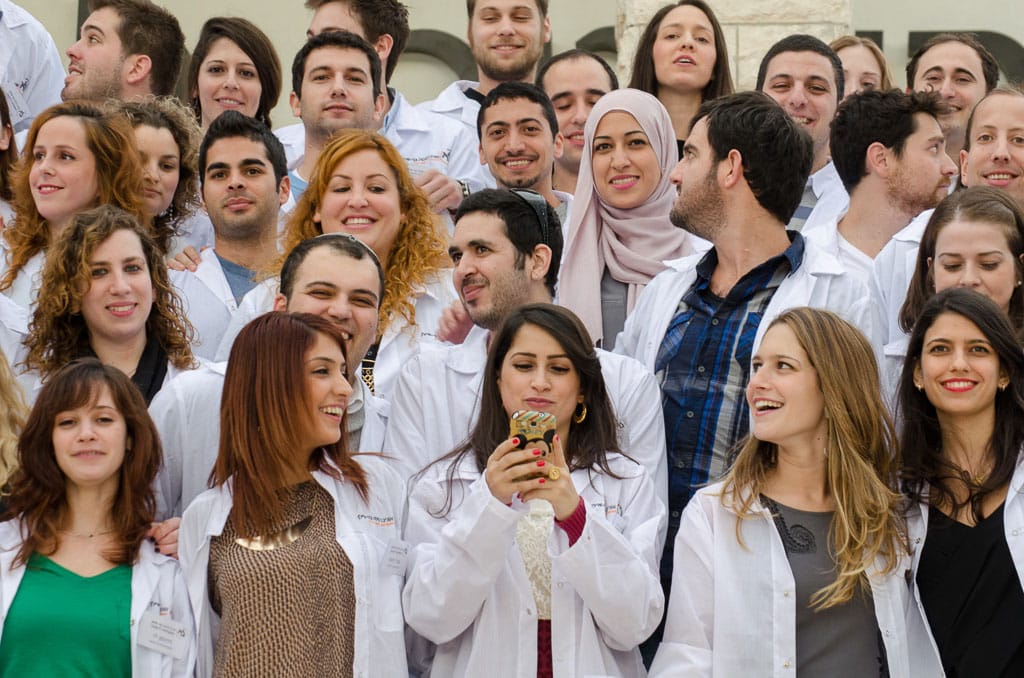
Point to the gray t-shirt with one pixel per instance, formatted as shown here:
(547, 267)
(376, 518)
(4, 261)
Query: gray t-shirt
(838, 641)
(613, 308)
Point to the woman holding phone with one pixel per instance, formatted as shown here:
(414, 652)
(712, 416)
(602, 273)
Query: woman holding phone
(519, 555)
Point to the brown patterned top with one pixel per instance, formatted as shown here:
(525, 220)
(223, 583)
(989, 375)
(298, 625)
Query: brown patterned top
(287, 603)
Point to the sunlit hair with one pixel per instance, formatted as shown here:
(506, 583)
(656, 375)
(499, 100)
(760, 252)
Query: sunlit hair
(644, 76)
(118, 178)
(255, 44)
(39, 488)
(589, 441)
(420, 250)
(264, 408)
(13, 411)
(886, 81)
(58, 331)
(9, 156)
(861, 457)
(980, 204)
(927, 475)
(170, 114)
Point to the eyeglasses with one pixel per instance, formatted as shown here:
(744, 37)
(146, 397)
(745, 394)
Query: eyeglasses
(540, 207)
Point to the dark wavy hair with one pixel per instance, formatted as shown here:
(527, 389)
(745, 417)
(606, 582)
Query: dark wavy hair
(264, 406)
(589, 442)
(644, 77)
(38, 497)
(58, 330)
(926, 474)
(170, 114)
(8, 156)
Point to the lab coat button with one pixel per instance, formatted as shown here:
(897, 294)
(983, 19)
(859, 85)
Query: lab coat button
(786, 664)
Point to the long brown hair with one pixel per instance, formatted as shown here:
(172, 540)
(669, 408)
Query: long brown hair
(8, 156)
(264, 403)
(58, 330)
(861, 458)
(644, 76)
(420, 250)
(39, 488)
(118, 178)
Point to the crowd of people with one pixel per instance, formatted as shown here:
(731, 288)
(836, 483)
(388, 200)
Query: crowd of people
(543, 377)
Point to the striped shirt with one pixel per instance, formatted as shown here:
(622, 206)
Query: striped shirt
(703, 368)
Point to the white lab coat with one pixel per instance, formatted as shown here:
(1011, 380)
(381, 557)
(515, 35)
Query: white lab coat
(468, 591)
(424, 139)
(208, 302)
(397, 345)
(186, 413)
(833, 199)
(436, 401)
(820, 281)
(890, 279)
(364, 531)
(157, 582)
(1013, 528)
(25, 287)
(31, 71)
(733, 606)
(453, 103)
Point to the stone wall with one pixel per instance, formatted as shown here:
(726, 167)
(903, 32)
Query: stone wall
(750, 26)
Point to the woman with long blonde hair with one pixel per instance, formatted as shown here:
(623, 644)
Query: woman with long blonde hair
(804, 534)
(361, 186)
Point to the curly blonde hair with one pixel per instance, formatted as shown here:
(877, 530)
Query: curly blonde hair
(13, 412)
(170, 114)
(118, 177)
(420, 250)
(58, 332)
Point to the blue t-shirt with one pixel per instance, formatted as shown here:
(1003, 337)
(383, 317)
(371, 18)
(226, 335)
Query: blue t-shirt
(240, 279)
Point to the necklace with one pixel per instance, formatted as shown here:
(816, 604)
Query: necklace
(87, 536)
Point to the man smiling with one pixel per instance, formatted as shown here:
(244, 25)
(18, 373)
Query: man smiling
(507, 39)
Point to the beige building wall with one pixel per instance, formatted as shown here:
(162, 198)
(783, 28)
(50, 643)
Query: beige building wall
(751, 26)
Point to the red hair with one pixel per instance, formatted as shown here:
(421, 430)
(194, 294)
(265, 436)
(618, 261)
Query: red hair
(264, 403)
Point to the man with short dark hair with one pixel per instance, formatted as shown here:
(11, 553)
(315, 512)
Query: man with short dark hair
(520, 142)
(441, 156)
(805, 77)
(574, 80)
(335, 86)
(962, 71)
(889, 150)
(506, 250)
(507, 38)
(243, 183)
(127, 48)
(697, 324)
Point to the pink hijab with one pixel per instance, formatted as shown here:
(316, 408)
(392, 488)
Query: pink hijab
(630, 243)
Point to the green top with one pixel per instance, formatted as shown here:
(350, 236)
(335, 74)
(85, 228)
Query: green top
(63, 624)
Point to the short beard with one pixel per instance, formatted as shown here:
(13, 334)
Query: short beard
(701, 213)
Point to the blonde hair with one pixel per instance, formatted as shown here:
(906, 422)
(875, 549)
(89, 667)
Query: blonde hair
(419, 251)
(861, 457)
(887, 81)
(13, 411)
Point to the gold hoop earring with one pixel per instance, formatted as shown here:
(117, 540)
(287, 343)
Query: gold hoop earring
(580, 414)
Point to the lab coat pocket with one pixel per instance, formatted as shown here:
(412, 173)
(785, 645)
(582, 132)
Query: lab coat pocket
(388, 579)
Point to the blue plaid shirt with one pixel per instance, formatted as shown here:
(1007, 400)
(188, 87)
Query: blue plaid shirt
(703, 367)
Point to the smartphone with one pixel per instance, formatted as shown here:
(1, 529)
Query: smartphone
(535, 430)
